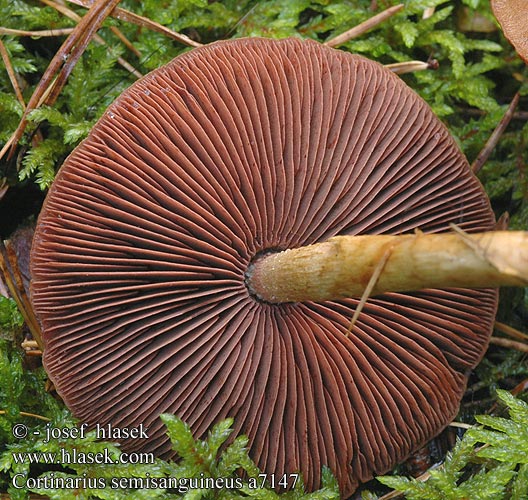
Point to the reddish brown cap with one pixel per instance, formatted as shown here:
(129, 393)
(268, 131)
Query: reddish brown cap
(230, 150)
(513, 18)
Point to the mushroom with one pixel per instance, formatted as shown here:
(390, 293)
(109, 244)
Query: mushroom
(513, 19)
(148, 248)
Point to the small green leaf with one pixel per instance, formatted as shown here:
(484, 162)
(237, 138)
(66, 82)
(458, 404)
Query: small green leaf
(180, 435)
(408, 31)
(218, 435)
(10, 318)
(520, 484)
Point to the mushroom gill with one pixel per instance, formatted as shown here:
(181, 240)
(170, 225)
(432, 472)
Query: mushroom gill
(513, 19)
(230, 151)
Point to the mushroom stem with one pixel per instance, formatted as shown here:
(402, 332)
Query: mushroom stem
(342, 266)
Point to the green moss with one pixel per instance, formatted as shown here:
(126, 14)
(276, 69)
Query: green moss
(11, 320)
(470, 63)
(489, 463)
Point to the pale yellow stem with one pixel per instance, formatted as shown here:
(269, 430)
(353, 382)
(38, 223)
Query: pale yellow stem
(343, 266)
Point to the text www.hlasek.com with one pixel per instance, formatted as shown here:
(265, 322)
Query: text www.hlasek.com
(76, 457)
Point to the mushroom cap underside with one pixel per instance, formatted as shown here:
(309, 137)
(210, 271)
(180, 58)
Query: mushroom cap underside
(513, 19)
(232, 149)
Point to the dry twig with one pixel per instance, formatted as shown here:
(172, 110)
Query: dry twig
(74, 16)
(38, 33)
(495, 136)
(11, 74)
(125, 15)
(98, 39)
(509, 344)
(364, 26)
(27, 414)
(13, 279)
(63, 62)
(368, 289)
(509, 330)
(412, 66)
